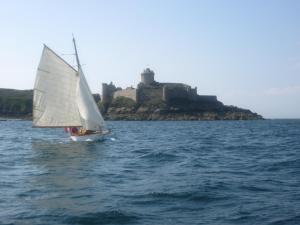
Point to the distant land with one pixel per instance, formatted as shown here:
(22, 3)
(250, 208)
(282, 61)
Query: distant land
(16, 103)
(151, 100)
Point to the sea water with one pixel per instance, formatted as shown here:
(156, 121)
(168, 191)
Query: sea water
(214, 172)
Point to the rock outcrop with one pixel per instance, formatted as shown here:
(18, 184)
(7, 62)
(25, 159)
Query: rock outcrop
(124, 109)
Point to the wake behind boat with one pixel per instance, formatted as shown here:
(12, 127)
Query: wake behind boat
(62, 98)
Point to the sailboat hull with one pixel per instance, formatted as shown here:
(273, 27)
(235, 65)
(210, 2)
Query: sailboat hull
(89, 137)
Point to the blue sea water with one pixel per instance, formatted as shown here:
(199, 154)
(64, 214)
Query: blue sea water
(215, 172)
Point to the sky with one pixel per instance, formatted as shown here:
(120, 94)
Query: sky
(245, 52)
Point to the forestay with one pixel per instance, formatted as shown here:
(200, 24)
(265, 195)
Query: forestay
(54, 100)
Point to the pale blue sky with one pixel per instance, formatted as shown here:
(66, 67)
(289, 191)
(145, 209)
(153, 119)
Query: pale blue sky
(245, 52)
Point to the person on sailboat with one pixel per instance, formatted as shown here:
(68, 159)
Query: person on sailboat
(83, 131)
(74, 131)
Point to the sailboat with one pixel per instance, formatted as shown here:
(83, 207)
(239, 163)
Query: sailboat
(62, 99)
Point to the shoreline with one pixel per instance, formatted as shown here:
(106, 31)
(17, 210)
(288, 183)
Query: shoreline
(27, 118)
(134, 120)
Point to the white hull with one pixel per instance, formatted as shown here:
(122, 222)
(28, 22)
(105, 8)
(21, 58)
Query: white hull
(89, 137)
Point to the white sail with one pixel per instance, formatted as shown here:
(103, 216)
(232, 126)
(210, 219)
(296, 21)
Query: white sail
(54, 100)
(91, 118)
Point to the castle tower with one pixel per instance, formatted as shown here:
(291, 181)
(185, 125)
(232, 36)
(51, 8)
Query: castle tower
(107, 92)
(147, 77)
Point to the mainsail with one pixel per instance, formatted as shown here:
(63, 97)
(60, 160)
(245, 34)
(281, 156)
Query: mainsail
(54, 100)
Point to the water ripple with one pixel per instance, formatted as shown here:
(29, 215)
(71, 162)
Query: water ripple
(213, 172)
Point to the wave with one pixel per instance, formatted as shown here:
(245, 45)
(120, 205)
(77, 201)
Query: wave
(186, 173)
(160, 156)
(106, 217)
(188, 196)
(255, 188)
(290, 220)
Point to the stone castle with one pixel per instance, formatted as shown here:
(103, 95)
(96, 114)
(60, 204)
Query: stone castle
(149, 90)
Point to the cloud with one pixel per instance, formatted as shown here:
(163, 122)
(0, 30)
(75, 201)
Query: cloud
(284, 91)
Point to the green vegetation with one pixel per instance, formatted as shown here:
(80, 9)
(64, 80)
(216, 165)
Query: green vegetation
(155, 103)
(18, 103)
(15, 102)
(101, 107)
(123, 102)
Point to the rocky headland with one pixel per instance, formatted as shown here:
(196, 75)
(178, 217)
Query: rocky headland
(145, 113)
(18, 104)
(153, 100)
(125, 109)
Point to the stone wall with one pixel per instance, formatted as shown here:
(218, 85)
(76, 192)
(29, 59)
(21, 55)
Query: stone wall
(170, 93)
(207, 98)
(149, 94)
(178, 91)
(128, 93)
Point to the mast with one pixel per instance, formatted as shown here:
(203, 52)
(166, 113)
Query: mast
(76, 54)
